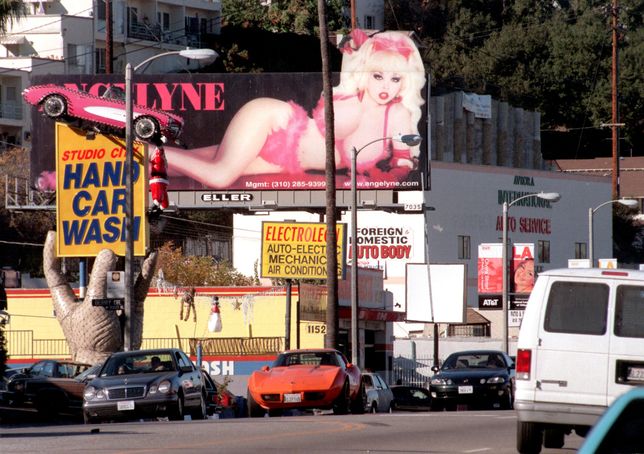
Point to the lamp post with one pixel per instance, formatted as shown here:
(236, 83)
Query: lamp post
(591, 211)
(550, 196)
(409, 140)
(196, 54)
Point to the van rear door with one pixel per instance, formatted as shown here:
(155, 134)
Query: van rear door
(573, 343)
(626, 354)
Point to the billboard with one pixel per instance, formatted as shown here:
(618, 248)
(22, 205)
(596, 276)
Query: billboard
(436, 293)
(297, 250)
(91, 194)
(490, 270)
(266, 132)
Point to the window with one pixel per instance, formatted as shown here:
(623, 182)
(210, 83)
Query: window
(182, 360)
(464, 248)
(100, 9)
(72, 54)
(100, 61)
(164, 20)
(577, 308)
(629, 308)
(543, 251)
(369, 22)
(581, 251)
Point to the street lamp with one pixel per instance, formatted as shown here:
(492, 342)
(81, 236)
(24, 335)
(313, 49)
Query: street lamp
(591, 211)
(549, 196)
(410, 140)
(195, 54)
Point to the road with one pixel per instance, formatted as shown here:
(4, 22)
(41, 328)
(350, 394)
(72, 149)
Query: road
(445, 432)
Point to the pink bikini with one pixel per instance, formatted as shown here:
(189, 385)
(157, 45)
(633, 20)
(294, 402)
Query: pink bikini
(281, 146)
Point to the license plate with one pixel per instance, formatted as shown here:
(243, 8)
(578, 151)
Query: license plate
(635, 373)
(290, 398)
(465, 389)
(125, 405)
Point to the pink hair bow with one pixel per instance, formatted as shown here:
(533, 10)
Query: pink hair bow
(399, 46)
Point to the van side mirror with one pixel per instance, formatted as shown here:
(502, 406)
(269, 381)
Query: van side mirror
(265, 368)
(435, 369)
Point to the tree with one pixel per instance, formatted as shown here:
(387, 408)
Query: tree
(193, 271)
(10, 11)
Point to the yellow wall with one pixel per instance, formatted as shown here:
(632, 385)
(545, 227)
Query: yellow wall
(33, 310)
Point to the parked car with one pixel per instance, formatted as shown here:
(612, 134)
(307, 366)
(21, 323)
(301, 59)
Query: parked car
(411, 398)
(107, 112)
(143, 384)
(218, 399)
(477, 378)
(306, 379)
(379, 397)
(581, 346)
(619, 430)
(24, 386)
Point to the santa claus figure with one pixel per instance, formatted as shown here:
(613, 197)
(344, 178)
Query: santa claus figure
(159, 178)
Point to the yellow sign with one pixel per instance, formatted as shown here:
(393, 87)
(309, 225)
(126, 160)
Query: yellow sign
(297, 250)
(91, 195)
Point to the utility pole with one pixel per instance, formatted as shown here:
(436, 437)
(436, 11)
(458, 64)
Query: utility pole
(614, 11)
(109, 41)
(332, 323)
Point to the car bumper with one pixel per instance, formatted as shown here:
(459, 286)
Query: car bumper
(558, 413)
(451, 394)
(322, 399)
(142, 408)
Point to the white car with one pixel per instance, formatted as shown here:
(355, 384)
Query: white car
(379, 397)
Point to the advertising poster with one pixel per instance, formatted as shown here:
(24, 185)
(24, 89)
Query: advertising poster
(522, 268)
(91, 194)
(490, 269)
(297, 250)
(267, 131)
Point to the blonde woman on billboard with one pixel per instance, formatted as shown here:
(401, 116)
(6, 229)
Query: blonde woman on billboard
(379, 96)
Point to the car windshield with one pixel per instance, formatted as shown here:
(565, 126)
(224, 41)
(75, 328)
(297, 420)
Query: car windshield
(306, 358)
(138, 364)
(474, 361)
(114, 92)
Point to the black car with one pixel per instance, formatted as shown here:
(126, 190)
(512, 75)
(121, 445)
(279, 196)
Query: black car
(411, 398)
(476, 378)
(146, 384)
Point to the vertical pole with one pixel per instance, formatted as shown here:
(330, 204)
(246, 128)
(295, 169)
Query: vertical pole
(615, 119)
(82, 277)
(297, 316)
(109, 42)
(129, 210)
(590, 238)
(354, 259)
(504, 259)
(287, 318)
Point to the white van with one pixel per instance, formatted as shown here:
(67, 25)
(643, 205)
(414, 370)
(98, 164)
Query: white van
(581, 345)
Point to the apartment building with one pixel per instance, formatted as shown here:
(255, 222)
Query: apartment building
(69, 37)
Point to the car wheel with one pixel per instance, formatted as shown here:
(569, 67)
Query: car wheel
(146, 128)
(374, 408)
(177, 415)
(357, 406)
(435, 406)
(529, 437)
(553, 438)
(202, 411)
(47, 406)
(254, 409)
(54, 106)
(342, 402)
(508, 401)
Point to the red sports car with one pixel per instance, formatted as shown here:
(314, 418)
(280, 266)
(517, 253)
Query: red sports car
(306, 379)
(107, 112)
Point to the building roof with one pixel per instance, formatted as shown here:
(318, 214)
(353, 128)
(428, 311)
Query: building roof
(631, 172)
